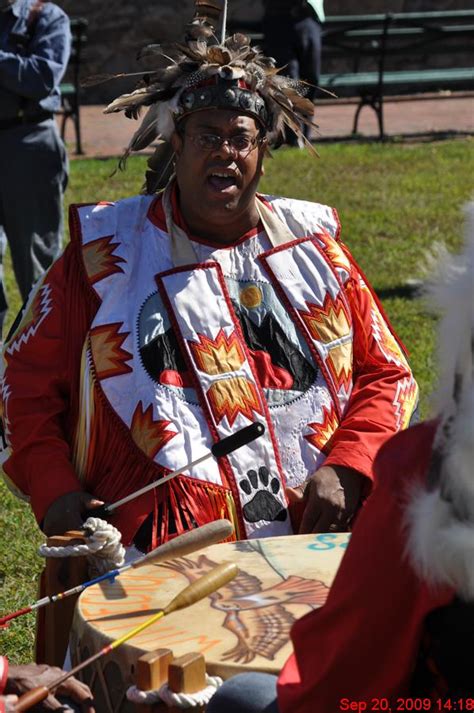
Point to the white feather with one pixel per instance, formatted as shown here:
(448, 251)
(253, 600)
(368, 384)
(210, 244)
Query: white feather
(441, 522)
(165, 116)
(224, 22)
(451, 293)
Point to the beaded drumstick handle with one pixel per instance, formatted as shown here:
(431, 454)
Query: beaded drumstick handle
(182, 545)
(202, 587)
(221, 448)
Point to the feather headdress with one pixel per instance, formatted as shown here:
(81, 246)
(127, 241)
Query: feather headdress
(201, 73)
(441, 518)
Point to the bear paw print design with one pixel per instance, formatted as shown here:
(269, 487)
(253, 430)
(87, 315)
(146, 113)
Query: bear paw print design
(264, 505)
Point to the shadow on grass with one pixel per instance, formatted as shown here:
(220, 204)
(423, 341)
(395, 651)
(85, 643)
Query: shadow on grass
(406, 291)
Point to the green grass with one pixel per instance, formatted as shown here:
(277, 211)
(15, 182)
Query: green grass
(394, 201)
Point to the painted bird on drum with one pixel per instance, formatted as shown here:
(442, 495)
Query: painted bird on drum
(256, 616)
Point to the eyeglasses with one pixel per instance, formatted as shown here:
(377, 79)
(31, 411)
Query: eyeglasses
(240, 143)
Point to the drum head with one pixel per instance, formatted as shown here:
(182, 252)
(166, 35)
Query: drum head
(243, 626)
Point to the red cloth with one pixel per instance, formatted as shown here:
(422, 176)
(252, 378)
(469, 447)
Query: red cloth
(3, 679)
(43, 379)
(363, 642)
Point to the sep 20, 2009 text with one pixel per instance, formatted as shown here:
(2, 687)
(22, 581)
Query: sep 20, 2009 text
(407, 704)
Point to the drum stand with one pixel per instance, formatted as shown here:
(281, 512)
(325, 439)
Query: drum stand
(53, 622)
(186, 674)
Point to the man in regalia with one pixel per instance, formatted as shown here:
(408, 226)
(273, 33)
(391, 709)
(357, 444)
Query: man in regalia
(174, 319)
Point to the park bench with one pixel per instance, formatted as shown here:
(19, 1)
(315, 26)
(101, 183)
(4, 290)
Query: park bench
(70, 88)
(374, 56)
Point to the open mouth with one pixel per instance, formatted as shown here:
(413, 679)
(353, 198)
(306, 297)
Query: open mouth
(222, 180)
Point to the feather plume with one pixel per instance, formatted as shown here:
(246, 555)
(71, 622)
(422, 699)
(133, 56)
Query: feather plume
(180, 69)
(160, 168)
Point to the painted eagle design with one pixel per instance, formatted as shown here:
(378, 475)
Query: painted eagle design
(256, 616)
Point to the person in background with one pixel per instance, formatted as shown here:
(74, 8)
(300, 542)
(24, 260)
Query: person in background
(34, 52)
(293, 36)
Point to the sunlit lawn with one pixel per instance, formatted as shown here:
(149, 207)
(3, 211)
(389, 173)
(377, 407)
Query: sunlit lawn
(394, 202)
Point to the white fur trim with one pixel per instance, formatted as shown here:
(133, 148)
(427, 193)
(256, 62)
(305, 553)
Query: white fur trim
(441, 522)
(439, 546)
(450, 293)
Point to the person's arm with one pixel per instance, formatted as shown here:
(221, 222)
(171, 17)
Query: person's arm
(35, 75)
(384, 394)
(382, 401)
(37, 399)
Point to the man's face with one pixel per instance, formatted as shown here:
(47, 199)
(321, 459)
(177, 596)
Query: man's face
(218, 184)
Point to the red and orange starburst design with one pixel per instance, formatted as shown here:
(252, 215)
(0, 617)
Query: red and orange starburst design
(405, 401)
(335, 253)
(229, 397)
(386, 341)
(109, 356)
(329, 322)
(99, 258)
(322, 432)
(218, 356)
(40, 307)
(339, 363)
(149, 435)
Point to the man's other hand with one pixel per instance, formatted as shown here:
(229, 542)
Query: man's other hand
(23, 678)
(331, 497)
(67, 512)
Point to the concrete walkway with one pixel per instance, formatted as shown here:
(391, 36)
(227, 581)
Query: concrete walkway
(108, 135)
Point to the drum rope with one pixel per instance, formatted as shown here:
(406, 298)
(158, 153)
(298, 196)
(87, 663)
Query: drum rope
(170, 698)
(103, 546)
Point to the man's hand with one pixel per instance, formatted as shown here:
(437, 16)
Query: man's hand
(331, 497)
(23, 678)
(67, 512)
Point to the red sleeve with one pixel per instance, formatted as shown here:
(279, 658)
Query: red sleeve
(384, 393)
(3, 673)
(363, 642)
(36, 396)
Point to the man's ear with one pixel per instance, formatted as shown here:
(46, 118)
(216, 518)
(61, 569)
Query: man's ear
(176, 142)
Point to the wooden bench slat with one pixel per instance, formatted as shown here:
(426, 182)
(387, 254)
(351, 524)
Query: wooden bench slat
(402, 77)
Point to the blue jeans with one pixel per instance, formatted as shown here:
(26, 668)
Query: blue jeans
(33, 176)
(246, 693)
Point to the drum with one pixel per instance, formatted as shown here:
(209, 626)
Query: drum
(244, 626)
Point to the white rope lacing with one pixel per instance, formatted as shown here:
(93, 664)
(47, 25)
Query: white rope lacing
(170, 698)
(103, 547)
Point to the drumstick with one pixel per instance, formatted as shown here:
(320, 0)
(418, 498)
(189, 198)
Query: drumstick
(184, 544)
(218, 450)
(202, 587)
